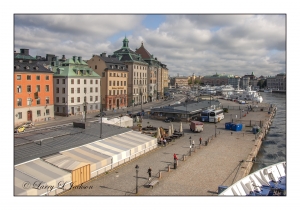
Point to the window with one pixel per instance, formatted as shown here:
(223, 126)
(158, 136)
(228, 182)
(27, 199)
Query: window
(47, 88)
(72, 81)
(28, 77)
(121, 74)
(64, 100)
(57, 90)
(78, 90)
(109, 83)
(96, 82)
(19, 77)
(91, 81)
(78, 109)
(38, 113)
(121, 92)
(29, 88)
(64, 110)
(117, 92)
(47, 77)
(110, 74)
(64, 90)
(110, 92)
(114, 83)
(96, 107)
(72, 100)
(72, 90)
(38, 77)
(47, 111)
(91, 98)
(19, 89)
(47, 100)
(96, 89)
(91, 90)
(103, 74)
(117, 83)
(124, 91)
(64, 81)
(57, 81)
(96, 98)
(121, 83)
(38, 101)
(114, 74)
(78, 81)
(78, 99)
(57, 99)
(84, 81)
(114, 92)
(57, 109)
(19, 115)
(91, 107)
(38, 88)
(95, 66)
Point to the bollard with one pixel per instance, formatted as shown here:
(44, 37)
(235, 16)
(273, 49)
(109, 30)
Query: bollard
(159, 175)
(169, 168)
(183, 157)
(177, 162)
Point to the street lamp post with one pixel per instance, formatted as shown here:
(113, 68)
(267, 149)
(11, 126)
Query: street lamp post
(215, 130)
(141, 94)
(137, 173)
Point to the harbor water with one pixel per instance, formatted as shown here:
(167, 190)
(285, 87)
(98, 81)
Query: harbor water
(273, 148)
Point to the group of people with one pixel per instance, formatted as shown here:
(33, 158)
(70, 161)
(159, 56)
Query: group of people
(163, 141)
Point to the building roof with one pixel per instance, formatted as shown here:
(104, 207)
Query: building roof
(31, 67)
(191, 108)
(74, 67)
(144, 53)
(48, 141)
(23, 55)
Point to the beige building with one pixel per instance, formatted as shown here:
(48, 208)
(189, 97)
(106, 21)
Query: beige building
(137, 74)
(114, 80)
(164, 78)
(181, 81)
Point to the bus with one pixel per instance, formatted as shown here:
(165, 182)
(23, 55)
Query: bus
(204, 115)
(216, 115)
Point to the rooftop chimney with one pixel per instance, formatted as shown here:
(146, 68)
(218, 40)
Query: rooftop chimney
(63, 57)
(103, 54)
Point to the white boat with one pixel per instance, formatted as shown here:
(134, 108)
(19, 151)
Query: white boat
(269, 181)
(268, 90)
(248, 95)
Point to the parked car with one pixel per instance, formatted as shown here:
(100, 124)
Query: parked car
(169, 119)
(19, 129)
(28, 124)
(99, 115)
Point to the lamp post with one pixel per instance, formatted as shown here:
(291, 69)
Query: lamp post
(186, 113)
(190, 150)
(137, 173)
(215, 130)
(141, 94)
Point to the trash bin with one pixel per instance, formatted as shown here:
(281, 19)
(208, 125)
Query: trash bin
(237, 127)
(255, 129)
(228, 125)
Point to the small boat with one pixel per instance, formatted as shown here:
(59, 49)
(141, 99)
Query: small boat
(268, 90)
(268, 181)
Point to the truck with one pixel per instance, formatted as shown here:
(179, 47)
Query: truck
(196, 126)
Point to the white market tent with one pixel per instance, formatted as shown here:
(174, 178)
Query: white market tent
(43, 178)
(124, 121)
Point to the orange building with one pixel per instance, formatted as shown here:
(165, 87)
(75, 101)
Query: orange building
(33, 92)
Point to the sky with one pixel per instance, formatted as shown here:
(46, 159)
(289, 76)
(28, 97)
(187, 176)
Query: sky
(203, 44)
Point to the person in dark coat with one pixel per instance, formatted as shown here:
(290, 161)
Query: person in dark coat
(149, 172)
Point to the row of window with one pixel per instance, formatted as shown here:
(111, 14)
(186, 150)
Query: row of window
(29, 90)
(136, 90)
(78, 90)
(137, 74)
(142, 82)
(78, 81)
(78, 99)
(121, 101)
(29, 101)
(113, 83)
(78, 108)
(38, 113)
(116, 92)
(28, 77)
(139, 67)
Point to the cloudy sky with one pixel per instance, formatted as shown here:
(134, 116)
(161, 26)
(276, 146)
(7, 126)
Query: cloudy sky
(200, 44)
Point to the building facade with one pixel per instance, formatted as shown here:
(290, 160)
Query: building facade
(33, 92)
(181, 81)
(114, 80)
(76, 86)
(277, 82)
(137, 74)
(216, 79)
(234, 81)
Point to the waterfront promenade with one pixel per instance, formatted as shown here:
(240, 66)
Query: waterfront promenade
(218, 163)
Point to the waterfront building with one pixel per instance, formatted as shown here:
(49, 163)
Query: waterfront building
(216, 79)
(181, 81)
(33, 89)
(165, 79)
(137, 73)
(114, 80)
(76, 86)
(234, 81)
(277, 82)
(249, 80)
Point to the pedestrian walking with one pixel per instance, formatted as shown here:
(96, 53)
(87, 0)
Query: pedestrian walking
(175, 156)
(200, 140)
(149, 172)
(190, 140)
(165, 142)
(193, 144)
